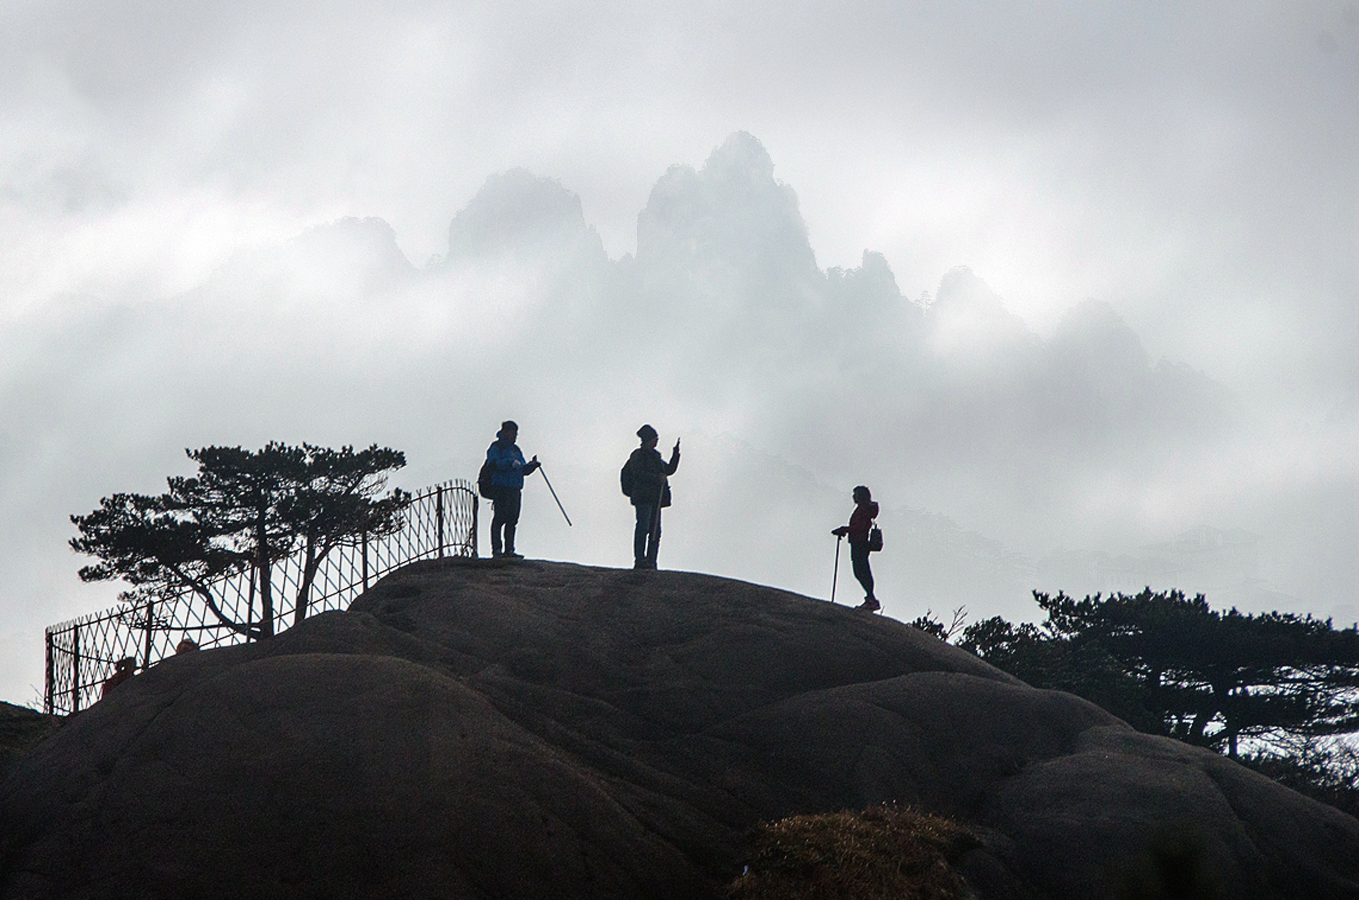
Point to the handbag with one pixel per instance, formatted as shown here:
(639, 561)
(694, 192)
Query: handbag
(874, 539)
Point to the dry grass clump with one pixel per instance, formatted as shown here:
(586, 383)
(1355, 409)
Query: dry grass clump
(882, 852)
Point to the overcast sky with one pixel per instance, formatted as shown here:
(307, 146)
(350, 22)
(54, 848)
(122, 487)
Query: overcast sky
(1194, 167)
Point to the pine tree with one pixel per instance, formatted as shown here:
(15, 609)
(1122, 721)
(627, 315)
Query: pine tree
(243, 509)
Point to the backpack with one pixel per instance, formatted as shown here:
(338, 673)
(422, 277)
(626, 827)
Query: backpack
(484, 486)
(625, 478)
(874, 539)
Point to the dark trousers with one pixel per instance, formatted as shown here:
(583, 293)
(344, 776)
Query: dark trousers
(858, 556)
(646, 539)
(507, 501)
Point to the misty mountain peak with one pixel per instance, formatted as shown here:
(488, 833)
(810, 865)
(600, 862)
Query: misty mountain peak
(961, 288)
(967, 315)
(517, 212)
(347, 257)
(1095, 333)
(741, 158)
(731, 214)
(872, 281)
(370, 241)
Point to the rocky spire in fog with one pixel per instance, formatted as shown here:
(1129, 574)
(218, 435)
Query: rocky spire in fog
(729, 216)
(520, 214)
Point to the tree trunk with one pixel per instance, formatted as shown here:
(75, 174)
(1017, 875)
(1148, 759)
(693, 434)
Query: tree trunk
(1217, 702)
(309, 567)
(1202, 717)
(1154, 696)
(266, 586)
(202, 590)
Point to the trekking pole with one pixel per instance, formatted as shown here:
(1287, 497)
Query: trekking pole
(836, 574)
(656, 519)
(554, 496)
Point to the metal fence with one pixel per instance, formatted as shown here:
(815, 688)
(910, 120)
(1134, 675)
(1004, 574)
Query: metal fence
(439, 521)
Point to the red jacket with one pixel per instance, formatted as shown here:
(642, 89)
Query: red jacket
(861, 521)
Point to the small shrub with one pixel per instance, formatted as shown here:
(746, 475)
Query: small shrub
(882, 852)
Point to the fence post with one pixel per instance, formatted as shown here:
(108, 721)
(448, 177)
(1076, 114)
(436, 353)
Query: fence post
(75, 668)
(439, 518)
(365, 559)
(150, 619)
(475, 502)
(48, 698)
(249, 603)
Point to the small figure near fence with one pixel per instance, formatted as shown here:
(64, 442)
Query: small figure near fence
(502, 481)
(187, 645)
(862, 534)
(646, 481)
(123, 670)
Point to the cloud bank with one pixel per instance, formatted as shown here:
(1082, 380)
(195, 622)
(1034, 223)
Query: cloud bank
(1157, 207)
(1004, 460)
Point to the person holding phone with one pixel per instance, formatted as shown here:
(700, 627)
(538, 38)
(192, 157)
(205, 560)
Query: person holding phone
(646, 481)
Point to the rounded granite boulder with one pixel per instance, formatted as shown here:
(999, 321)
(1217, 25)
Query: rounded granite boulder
(474, 729)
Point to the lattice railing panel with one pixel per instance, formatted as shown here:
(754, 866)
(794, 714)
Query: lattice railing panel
(81, 653)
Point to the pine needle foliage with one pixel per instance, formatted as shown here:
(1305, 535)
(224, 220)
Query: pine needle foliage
(244, 509)
(1168, 664)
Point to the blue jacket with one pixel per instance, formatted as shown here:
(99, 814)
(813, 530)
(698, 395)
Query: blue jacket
(509, 465)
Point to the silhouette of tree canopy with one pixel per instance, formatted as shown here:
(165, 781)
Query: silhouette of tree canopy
(1171, 665)
(242, 509)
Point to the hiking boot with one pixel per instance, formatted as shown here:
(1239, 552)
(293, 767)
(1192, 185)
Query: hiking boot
(510, 554)
(870, 604)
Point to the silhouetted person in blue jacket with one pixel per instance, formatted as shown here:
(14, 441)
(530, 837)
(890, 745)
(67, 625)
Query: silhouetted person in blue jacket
(508, 485)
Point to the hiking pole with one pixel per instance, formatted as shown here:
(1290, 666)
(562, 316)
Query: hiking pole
(653, 547)
(554, 496)
(836, 574)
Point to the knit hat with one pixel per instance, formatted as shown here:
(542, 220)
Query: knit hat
(646, 433)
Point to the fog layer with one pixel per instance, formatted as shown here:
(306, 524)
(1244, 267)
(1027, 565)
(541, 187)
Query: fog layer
(1003, 460)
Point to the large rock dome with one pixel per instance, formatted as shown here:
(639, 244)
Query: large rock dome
(474, 730)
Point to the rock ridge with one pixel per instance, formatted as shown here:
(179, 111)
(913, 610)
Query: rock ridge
(483, 729)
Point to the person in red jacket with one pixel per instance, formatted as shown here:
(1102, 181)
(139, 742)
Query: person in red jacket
(860, 524)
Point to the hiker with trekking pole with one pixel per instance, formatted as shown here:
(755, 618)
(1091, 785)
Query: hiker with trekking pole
(864, 537)
(501, 480)
(646, 481)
